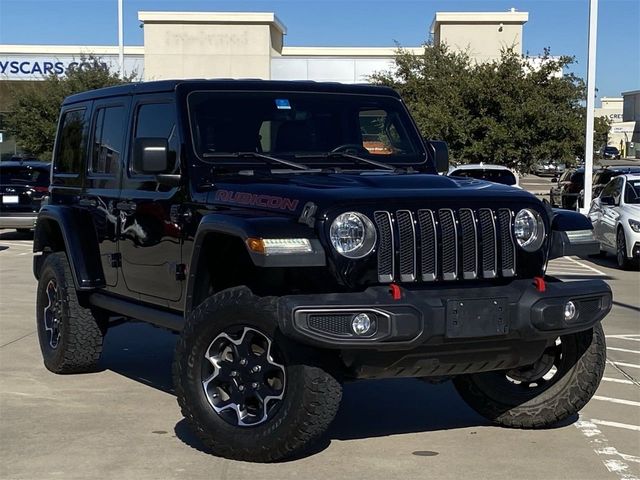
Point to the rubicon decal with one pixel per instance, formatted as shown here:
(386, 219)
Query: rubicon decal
(265, 201)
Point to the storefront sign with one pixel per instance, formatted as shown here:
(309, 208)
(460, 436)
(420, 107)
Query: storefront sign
(36, 67)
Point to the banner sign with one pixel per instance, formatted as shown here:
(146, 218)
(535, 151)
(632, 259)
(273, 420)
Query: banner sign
(36, 67)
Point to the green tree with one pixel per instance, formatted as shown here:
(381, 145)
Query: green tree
(514, 111)
(33, 113)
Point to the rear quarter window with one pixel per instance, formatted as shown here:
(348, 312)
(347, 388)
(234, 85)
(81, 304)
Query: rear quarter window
(72, 142)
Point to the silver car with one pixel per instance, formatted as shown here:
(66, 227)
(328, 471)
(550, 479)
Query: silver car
(615, 215)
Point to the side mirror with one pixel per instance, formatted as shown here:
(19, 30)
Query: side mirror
(440, 154)
(607, 201)
(151, 155)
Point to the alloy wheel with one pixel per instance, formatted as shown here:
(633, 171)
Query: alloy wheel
(243, 377)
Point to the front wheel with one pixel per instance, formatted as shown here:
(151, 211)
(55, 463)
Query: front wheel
(249, 392)
(553, 389)
(621, 253)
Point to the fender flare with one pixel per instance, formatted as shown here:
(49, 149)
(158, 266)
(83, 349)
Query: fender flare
(80, 244)
(243, 228)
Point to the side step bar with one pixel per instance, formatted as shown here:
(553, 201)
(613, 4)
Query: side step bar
(160, 318)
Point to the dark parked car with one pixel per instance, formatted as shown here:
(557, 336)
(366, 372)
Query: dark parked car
(568, 190)
(603, 176)
(610, 152)
(293, 253)
(23, 185)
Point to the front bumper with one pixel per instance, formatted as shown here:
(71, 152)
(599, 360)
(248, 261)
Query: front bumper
(439, 330)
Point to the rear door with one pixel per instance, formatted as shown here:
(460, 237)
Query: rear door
(150, 238)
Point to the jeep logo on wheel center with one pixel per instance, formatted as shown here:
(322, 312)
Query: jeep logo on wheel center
(176, 203)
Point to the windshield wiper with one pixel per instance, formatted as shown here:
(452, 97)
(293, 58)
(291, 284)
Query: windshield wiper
(356, 158)
(261, 156)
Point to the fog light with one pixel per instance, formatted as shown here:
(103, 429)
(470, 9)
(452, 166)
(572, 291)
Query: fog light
(361, 324)
(570, 311)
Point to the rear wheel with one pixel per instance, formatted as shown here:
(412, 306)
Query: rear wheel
(249, 392)
(70, 335)
(556, 387)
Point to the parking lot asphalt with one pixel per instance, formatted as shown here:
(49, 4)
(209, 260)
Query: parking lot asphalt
(124, 422)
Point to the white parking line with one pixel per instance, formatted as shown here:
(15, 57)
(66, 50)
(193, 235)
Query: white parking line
(624, 337)
(607, 423)
(616, 400)
(600, 445)
(628, 365)
(616, 349)
(617, 380)
(585, 266)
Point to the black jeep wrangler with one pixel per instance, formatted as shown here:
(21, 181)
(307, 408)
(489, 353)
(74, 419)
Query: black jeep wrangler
(298, 236)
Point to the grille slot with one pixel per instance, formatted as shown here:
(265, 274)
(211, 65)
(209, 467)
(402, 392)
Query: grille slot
(449, 245)
(507, 246)
(386, 249)
(469, 244)
(444, 244)
(429, 246)
(489, 243)
(407, 245)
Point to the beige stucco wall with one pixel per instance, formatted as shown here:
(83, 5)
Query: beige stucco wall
(482, 42)
(207, 45)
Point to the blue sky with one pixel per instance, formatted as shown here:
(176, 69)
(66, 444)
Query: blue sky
(559, 24)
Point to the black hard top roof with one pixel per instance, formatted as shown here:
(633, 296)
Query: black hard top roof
(229, 84)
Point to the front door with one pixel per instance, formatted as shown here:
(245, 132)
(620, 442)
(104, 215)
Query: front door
(151, 233)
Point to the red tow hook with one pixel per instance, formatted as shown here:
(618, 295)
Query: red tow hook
(395, 291)
(539, 283)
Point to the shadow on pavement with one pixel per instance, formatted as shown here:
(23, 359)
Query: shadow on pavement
(374, 408)
(14, 235)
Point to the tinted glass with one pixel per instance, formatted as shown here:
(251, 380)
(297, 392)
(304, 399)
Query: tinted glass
(632, 191)
(577, 177)
(108, 140)
(497, 176)
(72, 142)
(24, 176)
(157, 120)
(302, 125)
(611, 150)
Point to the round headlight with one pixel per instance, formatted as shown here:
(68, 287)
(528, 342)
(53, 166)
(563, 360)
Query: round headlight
(529, 230)
(353, 235)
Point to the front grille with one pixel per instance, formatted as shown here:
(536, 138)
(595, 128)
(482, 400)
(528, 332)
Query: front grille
(444, 244)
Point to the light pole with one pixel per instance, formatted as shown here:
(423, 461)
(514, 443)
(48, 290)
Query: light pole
(591, 94)
(120, 41)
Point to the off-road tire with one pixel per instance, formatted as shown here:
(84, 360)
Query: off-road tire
(561, 400)
(79, 344)
(310, 401)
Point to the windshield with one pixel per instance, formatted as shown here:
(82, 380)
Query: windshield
(497, 176)
(632, 191)
(302, 126)
(24, 176)
(611, 149)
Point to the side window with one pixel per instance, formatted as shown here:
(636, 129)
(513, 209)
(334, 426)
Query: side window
(617, 189)
(108, 140)
(72, 142)
(608, 190)
(157, 120)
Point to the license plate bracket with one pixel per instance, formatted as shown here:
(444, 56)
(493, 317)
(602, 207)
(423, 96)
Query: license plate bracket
(487, 317)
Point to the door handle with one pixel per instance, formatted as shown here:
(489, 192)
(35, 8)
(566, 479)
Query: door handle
(126, 206)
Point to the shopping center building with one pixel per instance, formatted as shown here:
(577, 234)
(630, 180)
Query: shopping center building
(250, 45)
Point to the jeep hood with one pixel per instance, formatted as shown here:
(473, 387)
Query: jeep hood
(291, 191)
